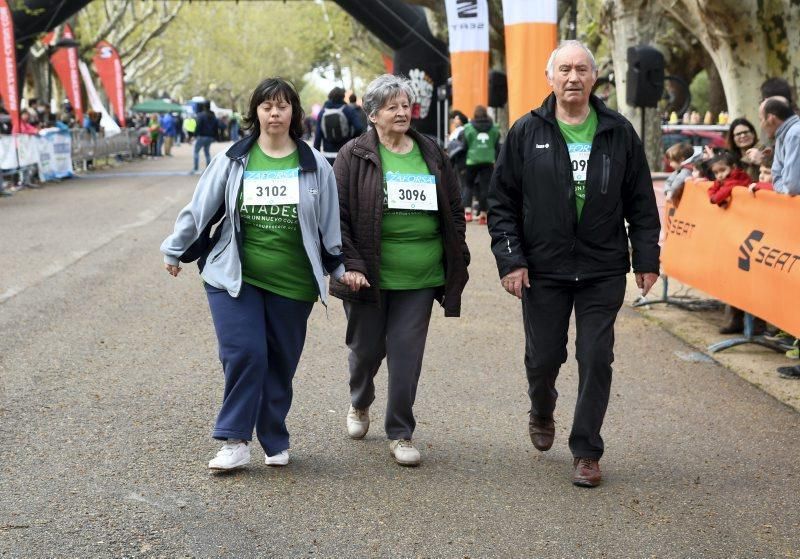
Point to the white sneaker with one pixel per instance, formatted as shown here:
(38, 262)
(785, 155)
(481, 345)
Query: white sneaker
(404, 452)
(280, 459)
(233, 454)
(357, 422)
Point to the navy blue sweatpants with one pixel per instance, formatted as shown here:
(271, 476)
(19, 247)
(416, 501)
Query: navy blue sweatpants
(261, 337)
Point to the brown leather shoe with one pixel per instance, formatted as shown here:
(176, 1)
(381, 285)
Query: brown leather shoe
(587, 472)
(542, 431)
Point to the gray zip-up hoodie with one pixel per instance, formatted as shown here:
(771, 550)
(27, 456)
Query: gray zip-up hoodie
(317, 213)
(786, 165)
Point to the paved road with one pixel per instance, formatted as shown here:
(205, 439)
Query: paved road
(110, 383)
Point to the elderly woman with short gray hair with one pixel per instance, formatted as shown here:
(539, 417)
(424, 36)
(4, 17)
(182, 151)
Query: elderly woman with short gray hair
(404, 246)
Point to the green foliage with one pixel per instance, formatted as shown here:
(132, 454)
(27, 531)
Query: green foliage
(699, 89)
(222, 49)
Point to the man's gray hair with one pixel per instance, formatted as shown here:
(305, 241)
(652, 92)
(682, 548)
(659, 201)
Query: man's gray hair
(563, 45)
(383, 89)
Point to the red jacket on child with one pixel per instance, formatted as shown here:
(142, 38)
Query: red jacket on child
(721, 190)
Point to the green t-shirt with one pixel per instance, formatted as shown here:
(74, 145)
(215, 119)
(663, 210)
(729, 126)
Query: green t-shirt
(579, 143)
(273, 254)
(411, 241)
(481, 145)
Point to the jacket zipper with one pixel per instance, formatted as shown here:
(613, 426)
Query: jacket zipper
(221, 251)
(606, 173)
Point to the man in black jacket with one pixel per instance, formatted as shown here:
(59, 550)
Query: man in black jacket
(567, 178)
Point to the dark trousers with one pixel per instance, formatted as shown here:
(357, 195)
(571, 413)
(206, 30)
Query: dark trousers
(396, 330)
(546, 310)
(476, 183)
(204, 143)
(261, 337)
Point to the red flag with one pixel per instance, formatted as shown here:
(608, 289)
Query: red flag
(8, 65)
(65, 63)
(388, 63)
(109, 68)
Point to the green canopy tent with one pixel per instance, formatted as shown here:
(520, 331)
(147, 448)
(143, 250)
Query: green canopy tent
(156, 106)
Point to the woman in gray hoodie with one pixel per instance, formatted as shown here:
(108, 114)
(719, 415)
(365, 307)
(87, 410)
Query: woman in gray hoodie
(272, 202)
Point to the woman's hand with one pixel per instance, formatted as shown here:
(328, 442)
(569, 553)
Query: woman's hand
(173, 270)
(354, 280)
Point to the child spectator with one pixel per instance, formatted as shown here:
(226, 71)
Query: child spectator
(726, 176)
(679, 157)
(764, 175)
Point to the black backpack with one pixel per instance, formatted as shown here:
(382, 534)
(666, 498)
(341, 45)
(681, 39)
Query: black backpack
(335, 127)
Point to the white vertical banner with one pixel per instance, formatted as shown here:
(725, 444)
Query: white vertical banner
(110, 127)
(468, 28)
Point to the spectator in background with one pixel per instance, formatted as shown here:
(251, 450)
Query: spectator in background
(679, 159)
(233, 128)
(169, 130)
(180, 134)
(781, 124)
(222, 129)
(154, 127)
(743, 144)
(727, 176)
(779, 87)
(362, 116)
(207, 130)
(337, 123)
(190, 126)
(457, 152)
(764, 175)
(309, 123)
(482, 138)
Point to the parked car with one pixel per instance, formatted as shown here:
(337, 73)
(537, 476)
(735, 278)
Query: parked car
(699, 135)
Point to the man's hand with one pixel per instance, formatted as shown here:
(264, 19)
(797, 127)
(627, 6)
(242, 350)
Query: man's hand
(515, 280)
(645, 281)
(754, 155)
(354, 280)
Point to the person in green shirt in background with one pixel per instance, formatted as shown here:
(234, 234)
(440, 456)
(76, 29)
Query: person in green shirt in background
(403, 239)
(482, 138)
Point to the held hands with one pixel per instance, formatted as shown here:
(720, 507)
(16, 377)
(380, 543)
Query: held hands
(173, 270)
(354, 280)
(645, 281)
(515, 280)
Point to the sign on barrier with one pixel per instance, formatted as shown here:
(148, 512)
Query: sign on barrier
(55, 155)
(747, 255)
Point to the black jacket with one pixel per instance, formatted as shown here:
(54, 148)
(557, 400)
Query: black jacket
(533, 220)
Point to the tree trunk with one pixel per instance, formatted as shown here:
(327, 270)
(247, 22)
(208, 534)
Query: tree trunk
(630, 23)
(748, 40)
(716, 91)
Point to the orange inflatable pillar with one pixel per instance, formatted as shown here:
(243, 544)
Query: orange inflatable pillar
(531, 32)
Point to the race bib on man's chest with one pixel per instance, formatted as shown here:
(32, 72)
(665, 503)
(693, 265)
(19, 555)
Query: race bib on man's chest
(579, 159)
(271, 188)
(406, 191)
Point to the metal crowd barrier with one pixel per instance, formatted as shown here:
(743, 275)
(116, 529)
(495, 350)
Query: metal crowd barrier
(88, 147)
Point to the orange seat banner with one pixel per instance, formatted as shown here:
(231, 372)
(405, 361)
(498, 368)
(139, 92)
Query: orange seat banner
(747, 255)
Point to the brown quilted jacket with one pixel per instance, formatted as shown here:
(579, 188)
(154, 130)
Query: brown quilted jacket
(360, 181)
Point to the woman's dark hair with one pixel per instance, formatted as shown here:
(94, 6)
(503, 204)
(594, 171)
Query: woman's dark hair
(277, 89)
(725, 157)
(732, 147)
(461, 116)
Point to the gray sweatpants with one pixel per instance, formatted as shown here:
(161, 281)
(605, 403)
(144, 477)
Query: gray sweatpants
(396, 330)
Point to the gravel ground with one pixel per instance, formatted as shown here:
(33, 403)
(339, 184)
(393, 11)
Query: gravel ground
(110, 385)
